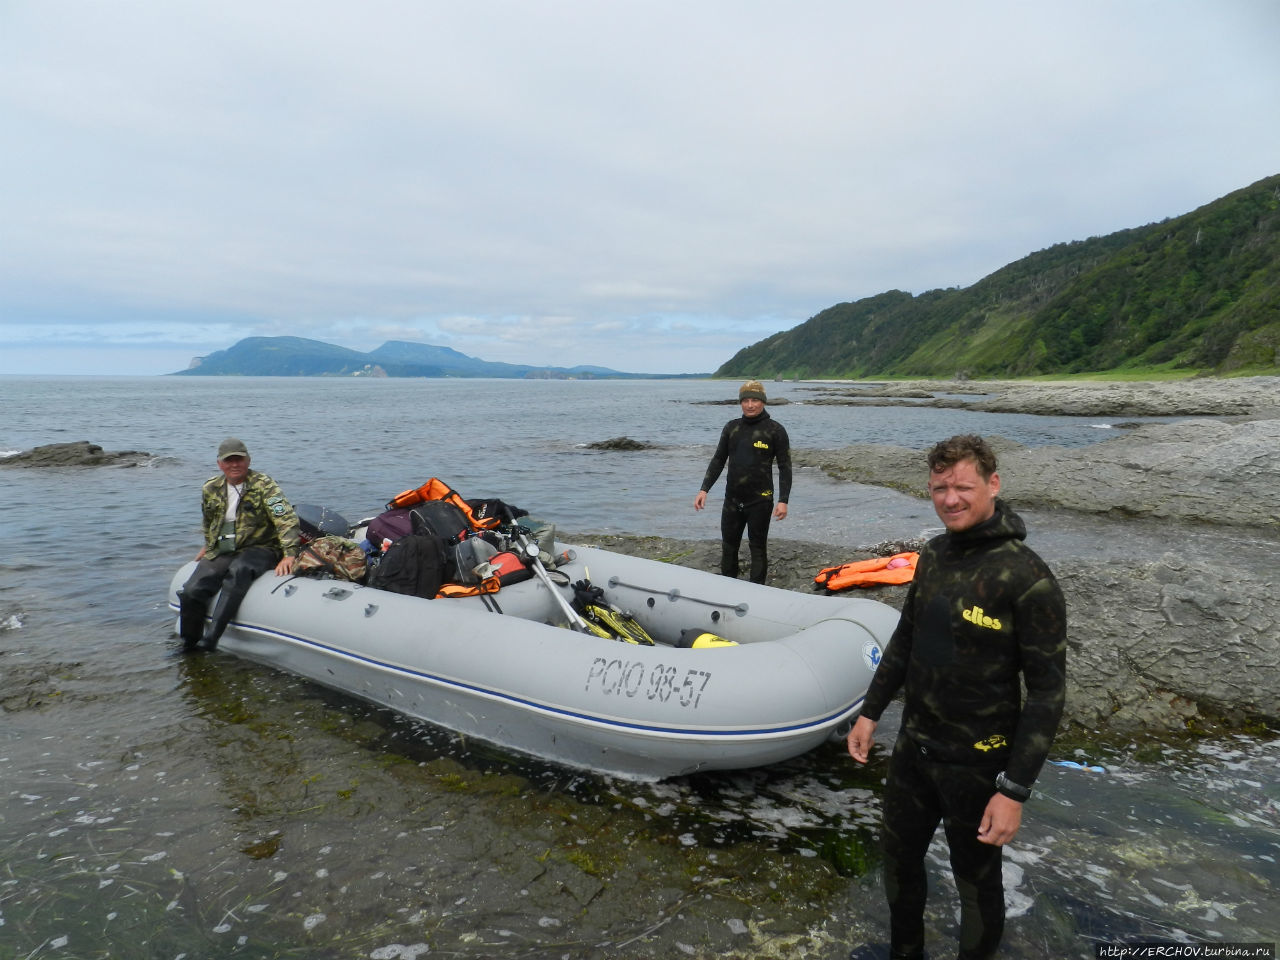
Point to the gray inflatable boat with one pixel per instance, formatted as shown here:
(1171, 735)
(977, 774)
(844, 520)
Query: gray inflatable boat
(503, 667)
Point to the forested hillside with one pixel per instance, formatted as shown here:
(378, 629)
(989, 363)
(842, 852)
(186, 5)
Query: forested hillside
(1199, 292)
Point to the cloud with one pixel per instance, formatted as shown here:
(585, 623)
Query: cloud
(635, 185)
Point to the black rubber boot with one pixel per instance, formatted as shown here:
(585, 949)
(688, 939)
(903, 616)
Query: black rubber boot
(190, 623)
(222, 614)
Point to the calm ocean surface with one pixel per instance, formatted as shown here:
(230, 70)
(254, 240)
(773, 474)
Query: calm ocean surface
(155, 806)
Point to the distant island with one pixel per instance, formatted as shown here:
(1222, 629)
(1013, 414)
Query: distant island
(300, 357)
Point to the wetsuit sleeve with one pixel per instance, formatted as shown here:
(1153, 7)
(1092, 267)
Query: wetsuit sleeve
(1041, 616)
(782, 451)
(718, 458)
(892, 670)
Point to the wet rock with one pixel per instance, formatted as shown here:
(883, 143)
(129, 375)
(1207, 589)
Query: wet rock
(80, 453)
(1208, 397)
(619, 443)
(1162, 645)
(1212, 471)
(777, 402)
(876, 464)
(885, 400)
(1203, 470)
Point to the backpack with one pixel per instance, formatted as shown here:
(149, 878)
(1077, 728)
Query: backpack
(338, 557)
(510, 568)
(485, 510)
(467, 556)
(414, 565)
(441, 518)
(389, 525)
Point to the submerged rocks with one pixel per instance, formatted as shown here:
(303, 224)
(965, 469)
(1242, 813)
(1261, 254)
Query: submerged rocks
(80, 453)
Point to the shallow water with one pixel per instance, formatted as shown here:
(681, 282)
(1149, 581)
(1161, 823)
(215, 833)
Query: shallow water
(164, 807)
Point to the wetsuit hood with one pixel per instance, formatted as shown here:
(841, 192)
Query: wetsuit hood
(1004, 524)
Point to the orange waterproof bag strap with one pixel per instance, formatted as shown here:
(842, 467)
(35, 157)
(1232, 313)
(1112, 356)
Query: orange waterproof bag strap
(487, 585)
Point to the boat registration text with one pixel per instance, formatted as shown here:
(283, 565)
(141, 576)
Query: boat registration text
(633, 678)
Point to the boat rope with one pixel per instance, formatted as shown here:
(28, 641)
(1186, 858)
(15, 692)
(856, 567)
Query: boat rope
(674, 594)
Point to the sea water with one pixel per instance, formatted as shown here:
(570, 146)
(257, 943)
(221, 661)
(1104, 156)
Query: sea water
(162, 806)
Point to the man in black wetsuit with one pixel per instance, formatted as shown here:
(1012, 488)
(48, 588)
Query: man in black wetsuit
(750, 445)
(983, 616)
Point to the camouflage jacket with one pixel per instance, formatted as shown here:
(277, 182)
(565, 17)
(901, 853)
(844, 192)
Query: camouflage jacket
(750, 446)
(265, 517)
(982, 610)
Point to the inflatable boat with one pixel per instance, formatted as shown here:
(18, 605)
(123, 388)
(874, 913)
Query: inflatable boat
(782, 673)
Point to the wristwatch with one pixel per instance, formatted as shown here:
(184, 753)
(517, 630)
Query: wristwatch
(1014, 791)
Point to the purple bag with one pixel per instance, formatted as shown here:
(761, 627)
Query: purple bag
(389, 525)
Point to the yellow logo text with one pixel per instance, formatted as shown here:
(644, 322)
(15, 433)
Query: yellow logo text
(978, 617)
(994, 742)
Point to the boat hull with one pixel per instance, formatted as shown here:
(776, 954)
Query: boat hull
(505, 669)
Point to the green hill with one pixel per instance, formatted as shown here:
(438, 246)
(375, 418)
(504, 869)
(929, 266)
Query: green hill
(1197, 293)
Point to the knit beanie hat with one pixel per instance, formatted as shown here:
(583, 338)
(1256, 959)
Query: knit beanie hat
(752, 390)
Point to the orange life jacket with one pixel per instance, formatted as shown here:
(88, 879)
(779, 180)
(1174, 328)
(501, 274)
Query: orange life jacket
(899, 568)
(435, 489)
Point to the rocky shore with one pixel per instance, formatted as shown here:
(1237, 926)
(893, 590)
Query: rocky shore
(1219, 467)
(78, 453)
(1169, 645)
(1199, 397)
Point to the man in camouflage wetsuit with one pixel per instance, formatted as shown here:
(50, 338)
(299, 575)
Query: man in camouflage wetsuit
(249, 527)
(982, 610)
(750, 445)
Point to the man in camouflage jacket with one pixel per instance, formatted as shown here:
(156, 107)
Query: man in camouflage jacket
(750, 445)
(983, 616)
(249, 527)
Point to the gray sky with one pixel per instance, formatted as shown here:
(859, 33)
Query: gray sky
(648, 186)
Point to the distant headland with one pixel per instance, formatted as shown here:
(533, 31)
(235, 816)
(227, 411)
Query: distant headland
(300, 357)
